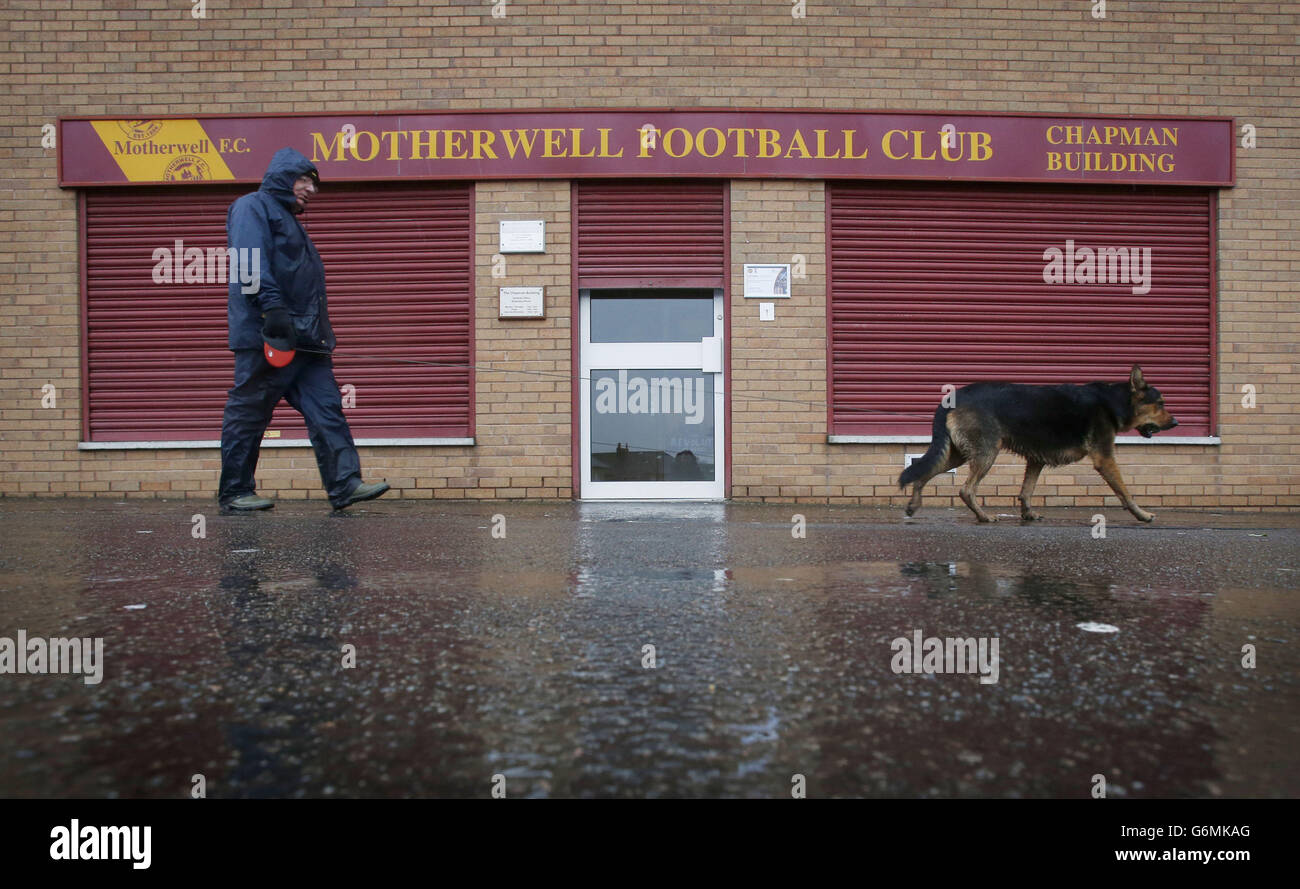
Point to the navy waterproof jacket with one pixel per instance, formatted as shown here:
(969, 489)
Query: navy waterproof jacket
(291, 274)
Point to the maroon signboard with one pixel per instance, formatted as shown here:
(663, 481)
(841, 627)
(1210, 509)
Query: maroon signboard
(655, 142)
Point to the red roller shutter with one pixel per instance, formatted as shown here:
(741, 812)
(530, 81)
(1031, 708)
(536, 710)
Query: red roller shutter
(945, 285)
(397, 264)
(647, 234)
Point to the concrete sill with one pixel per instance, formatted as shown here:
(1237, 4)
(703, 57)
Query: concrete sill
(1123, 439)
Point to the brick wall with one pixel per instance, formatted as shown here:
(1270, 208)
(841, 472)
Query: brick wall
(524, 396)
(778, 368)
(149, 57)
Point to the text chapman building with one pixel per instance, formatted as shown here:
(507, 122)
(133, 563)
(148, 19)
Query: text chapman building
(718, 251)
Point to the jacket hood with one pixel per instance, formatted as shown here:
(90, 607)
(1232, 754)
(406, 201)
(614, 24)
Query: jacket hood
(286, 166)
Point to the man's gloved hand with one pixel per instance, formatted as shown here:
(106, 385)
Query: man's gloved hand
(276, 324)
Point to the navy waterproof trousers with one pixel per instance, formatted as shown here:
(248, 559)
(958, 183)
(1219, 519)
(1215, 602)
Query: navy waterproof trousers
(307, 383)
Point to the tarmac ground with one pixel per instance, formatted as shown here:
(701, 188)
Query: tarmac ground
(431, 649)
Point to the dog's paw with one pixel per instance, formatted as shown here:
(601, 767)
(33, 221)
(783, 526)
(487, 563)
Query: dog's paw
(1144, 516)
(1031, 517)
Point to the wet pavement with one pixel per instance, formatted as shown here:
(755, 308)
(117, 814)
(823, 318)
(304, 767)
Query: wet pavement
(511, 652)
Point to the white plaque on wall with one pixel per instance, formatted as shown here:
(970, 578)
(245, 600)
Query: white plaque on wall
(767, 281)
(522, 302)
(522, 236)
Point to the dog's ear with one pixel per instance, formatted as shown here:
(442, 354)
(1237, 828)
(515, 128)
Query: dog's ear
(1135, 379)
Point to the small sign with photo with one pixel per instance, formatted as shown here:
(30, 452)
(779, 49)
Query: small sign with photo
(767, 281)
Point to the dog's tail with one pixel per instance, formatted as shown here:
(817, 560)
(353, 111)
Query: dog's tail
(923, 467)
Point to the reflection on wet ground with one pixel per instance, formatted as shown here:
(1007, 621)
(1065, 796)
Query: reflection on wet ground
(529, 656)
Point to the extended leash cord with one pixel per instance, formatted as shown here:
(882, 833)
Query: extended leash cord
(569, 377)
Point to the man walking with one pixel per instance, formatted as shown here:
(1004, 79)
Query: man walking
(285, 311)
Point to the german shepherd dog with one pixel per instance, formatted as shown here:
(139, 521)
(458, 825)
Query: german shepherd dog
(1047, 425)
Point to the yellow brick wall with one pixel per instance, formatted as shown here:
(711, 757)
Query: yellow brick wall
(151, 57)
(523, 378)
(778, 384)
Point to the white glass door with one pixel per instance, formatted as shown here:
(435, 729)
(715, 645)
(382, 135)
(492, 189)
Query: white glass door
(652, 395)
